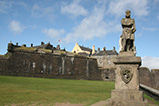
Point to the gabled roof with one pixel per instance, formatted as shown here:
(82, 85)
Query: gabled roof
(85, 48)
(44, 46)
(107, 52)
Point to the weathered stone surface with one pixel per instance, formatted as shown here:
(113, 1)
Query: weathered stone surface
(130, 64)
(107, 74)
(127, 95)
(149, 77)
(126, 91)
(120, 102)
(128, 37)
(127, 60)
(31, 64)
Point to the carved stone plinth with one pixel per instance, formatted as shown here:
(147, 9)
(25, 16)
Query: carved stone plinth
(126, 91)
(127, 73)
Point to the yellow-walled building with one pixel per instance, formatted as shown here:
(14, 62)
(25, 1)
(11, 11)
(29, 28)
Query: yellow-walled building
(81, 49)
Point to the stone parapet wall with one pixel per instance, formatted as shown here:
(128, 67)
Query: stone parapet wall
(23, 63)
(149, 78)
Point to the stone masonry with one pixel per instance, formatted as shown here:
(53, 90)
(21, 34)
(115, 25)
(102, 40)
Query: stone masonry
(24, 61)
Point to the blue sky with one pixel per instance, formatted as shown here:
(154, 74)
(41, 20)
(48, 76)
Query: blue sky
(87, 22)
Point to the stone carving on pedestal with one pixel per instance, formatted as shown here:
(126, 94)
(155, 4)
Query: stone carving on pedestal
(126, 75)
(126, 92)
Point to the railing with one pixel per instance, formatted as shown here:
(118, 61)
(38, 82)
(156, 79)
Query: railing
(150, 91)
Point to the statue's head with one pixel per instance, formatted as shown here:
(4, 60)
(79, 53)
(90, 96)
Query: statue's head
(128, 13)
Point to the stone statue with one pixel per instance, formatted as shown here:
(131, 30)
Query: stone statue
(127, 38)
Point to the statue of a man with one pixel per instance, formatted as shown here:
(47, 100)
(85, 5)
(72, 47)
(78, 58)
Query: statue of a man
(127, 38)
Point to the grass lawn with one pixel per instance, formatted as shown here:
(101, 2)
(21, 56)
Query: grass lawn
(19, 90)
(44, 91)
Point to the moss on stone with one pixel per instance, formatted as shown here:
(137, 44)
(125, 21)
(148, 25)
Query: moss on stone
(26, 48)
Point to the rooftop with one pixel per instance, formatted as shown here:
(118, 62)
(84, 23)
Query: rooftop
(107, 52)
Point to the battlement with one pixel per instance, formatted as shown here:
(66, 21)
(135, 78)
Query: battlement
(48, 61)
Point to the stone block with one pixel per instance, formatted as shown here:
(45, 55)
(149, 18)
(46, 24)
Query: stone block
(115, 102)
(127, 95)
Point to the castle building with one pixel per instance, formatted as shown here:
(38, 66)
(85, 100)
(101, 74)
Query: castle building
(104, 57)
(84, 51)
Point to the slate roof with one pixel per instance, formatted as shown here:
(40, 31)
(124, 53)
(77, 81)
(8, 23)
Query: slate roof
(44, 46)
(85, 48)
(107, 52)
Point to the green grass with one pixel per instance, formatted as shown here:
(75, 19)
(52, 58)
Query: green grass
(151, 99)
(43, 91)
(25, 90)
(26, 48)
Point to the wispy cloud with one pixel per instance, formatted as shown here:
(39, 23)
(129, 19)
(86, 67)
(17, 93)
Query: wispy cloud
(157, 17)
(53, 33)
(139, 7)
(46, 12)
(90, 27)
(16, 26)
(93, 26)
(74, 9)
(150, 29)
(6, 5)
(150, 62)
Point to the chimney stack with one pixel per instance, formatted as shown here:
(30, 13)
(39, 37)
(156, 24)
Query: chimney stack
(104, 49)
(24, 45)
(93, 49)
(17, 44)
(98, 49)
(31, 44)
(42, 43)
(58, 47)
(114, 48)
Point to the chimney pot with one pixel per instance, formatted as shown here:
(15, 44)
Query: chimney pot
(24, 45)
(114, 48)
(42, 43)
(58, 47)
(104, 49)
(93, 49)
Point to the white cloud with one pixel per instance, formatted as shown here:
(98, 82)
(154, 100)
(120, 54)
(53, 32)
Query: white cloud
(16, 26)
(39, 12)
(92, 26)
(74, 9)
(158, 17)
(150, 29)
(150, 62)
(6, 5)
(156, 1)
(53, 33)
(139, 7)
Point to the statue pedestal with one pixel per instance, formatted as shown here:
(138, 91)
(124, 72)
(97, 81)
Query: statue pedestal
(126, 91)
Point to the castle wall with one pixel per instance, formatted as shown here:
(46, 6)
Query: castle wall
(149, 78)
(105, 61)
(30, 64)
(108, 74)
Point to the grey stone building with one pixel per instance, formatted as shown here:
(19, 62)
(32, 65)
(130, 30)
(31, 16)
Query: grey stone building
(105, 57)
